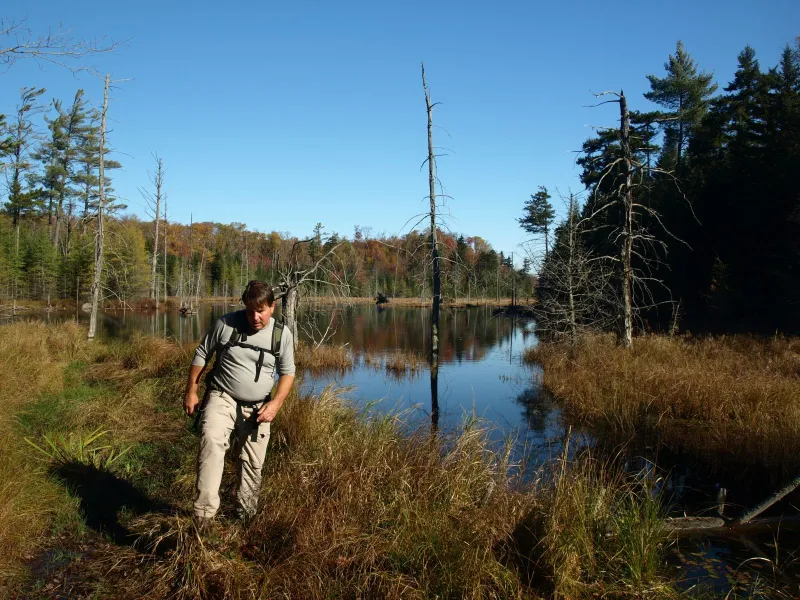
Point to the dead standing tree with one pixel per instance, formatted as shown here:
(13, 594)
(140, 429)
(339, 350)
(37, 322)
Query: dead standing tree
(153, 200)
(102, 205)
(293, 277)
(625, 175)
(437, 283)
(99, 236)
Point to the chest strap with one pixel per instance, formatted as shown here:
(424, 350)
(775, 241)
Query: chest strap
(239, 338)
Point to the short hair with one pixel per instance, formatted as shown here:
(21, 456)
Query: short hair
(257, 293)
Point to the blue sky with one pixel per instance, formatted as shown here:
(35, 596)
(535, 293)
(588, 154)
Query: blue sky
(282, 115)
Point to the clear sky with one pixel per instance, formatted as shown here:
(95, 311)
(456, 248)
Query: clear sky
(284, 114)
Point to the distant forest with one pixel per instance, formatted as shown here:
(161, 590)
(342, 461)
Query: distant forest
(215, 259)
(714, 172)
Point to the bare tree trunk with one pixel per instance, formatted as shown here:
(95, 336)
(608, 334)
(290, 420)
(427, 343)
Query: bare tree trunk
(98, 245)
(158, 180)
(437, 284)
(626, 329)
(165, 250)
(246, 260)
(199, 273)
(573, 326)
(289, 303)
(546, 240)
(181, 295)
(57, 233)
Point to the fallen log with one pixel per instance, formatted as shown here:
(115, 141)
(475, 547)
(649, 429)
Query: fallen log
(693, 523)
(779, 495)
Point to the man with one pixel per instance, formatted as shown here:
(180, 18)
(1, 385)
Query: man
(240, 397)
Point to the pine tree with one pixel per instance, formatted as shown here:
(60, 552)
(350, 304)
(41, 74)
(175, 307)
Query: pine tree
(743, 106)
(18, 146)
(538, 216)
(86, 176)
(60, 157)
(685, 94)
(21, 136)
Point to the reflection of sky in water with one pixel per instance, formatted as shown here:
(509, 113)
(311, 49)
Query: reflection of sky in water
(498, 389)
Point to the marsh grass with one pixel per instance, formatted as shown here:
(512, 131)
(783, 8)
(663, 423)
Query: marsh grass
(604, 533)
(739, 394)
(33, 360)
(354, 504)
(324, 357)
(397, 362)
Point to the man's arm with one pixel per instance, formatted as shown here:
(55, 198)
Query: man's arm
(190, 400)
(286, 371)
(270, 409)
(201, 356)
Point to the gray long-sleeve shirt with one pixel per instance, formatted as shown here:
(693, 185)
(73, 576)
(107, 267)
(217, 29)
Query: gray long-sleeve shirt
(237, 373)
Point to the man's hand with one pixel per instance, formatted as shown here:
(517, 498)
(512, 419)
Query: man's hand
(190, 402)
(268, 412)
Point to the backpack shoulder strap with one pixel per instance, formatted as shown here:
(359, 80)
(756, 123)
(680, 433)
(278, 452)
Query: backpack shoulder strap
(277, 334)
(237, 325)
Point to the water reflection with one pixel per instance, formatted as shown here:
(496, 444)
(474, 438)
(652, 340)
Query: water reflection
(434, 400)
(480, 370)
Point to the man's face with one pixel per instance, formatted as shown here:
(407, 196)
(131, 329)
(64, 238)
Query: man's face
(258, 317)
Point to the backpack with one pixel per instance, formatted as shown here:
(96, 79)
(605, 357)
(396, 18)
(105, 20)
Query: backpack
(239, 338)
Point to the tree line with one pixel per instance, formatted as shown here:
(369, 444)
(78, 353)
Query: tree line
(702, 197)
(48, 229)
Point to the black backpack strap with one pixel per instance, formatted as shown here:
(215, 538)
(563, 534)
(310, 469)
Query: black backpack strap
(238, 337)
(238, 327)
(259, 363)
(277, 334)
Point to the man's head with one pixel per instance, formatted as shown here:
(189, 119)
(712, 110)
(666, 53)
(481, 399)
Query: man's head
(259, 302)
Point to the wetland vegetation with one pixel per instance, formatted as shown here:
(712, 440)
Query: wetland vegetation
(97, 459)
(363, 505)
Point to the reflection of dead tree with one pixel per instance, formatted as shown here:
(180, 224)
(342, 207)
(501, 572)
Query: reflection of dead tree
(56, 47)
(293, 277)
(315, 333)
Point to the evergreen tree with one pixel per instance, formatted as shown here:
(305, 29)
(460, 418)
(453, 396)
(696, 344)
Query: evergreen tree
(21, 136)
(60, 157)
(17, 146)
(685, 94)
(743, 107)
(538, 216)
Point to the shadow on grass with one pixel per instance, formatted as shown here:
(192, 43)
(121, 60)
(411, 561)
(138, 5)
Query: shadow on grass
(523, 553)
(103, 497)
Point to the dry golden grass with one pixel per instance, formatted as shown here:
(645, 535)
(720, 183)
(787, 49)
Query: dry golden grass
(33, 359)
(602, 534)
(318, 358)
(741, 393)
(396, 361)
(353, 505)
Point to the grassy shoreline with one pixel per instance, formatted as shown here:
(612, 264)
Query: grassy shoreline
(737, 394)
(356, 505)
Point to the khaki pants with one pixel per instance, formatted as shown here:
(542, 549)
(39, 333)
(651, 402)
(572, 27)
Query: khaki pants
(221, 417)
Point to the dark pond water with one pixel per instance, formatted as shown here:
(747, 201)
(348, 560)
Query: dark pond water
(482, 375)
